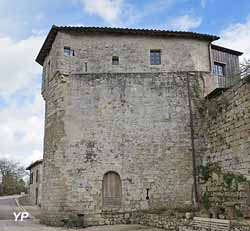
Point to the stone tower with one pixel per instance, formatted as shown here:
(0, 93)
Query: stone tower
(118, 131)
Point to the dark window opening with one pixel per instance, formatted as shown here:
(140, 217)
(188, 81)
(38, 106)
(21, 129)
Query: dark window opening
(155, 57)
(37, 175)
(31, 178)
(36, 196)
(68, 51)
(86, 67)
(219, 69)
(115, 60)
(48, 70)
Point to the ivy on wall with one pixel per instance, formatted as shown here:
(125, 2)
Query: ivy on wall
(229, 182)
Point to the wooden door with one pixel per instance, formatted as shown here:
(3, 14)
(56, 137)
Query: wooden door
(112, 190)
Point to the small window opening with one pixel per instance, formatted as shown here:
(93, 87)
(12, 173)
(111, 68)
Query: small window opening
(86, 67)
(155, 57)
(37, 175)
(48, 68)
(68, 51)
(219, 69)
(31, 178)
(115, 60)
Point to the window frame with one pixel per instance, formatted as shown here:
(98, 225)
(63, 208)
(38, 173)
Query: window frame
(70, 52)
(115, 60)
(37, 175)
(31, 177)
(218, 68)
(155, 56)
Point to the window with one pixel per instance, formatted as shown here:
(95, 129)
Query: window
(219, 69)
(31, 178)
(86, 67)
(36, 196)
(37, 175)
(48, 66)
(48, 69)
(112, 190)
(68, 51)
(155, 57)
(115, 60)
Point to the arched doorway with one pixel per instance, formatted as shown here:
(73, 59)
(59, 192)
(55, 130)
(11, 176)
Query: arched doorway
(111, 190)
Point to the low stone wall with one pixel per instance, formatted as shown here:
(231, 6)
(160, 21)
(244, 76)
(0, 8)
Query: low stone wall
(237, 226)
(164, 221)
(24, 200)
(109, 218)
(172, 221)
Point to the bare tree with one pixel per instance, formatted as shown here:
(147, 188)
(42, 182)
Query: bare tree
(12, 177)
(245, 68)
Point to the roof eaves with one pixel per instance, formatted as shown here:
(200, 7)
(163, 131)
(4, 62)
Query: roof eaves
(44, 51)
(227, 50)
(34, 164)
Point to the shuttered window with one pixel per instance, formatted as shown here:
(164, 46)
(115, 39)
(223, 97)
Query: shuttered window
(112, 190)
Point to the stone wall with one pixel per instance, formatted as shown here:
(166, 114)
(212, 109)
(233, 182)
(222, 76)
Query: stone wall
(229, 129)
(136, 124)
(240, 226)
(226, 195)
(96, 51)
(163, 221)
(226, 165)
(36, 185)
(134, 53)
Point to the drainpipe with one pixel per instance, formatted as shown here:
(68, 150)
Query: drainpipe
(195, 194)
(210, 56)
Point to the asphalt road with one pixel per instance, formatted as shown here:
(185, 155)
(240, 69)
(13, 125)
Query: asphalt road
(7, 207)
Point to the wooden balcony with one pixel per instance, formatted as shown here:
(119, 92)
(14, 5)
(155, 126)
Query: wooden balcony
(216, 83)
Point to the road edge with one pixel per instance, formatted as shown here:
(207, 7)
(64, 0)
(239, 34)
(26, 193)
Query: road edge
(22, 209)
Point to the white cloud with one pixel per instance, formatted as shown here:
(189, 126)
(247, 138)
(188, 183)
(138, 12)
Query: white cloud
(109, 10)
(21, 106)
(237, 36)
(22, 129)
(121, 12)
(184, 22)
(17, 65)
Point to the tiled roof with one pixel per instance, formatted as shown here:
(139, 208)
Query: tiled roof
(34, 164)
(108, 30)
(227, 50)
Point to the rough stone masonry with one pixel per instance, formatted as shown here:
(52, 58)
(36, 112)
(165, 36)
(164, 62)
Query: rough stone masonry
(118, 137)
(136, 125)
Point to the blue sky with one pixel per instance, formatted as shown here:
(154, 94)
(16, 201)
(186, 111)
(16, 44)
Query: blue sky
(25, 23)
